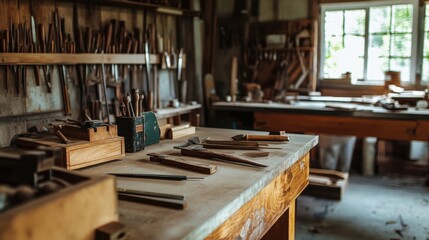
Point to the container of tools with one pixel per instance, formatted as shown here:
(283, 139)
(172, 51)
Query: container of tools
(132, 129)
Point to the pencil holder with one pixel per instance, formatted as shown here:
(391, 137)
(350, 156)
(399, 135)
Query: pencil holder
(132, 129)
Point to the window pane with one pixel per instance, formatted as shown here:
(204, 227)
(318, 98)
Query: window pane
(401, 65)
(402, 18)
(426, 45)
(333, 23)
(425, 71)
(379, 45)
(354, 45)
(376, 67)
(427, 18)
(333, 49)
(402, 45)
(355, 22)
(380, 20)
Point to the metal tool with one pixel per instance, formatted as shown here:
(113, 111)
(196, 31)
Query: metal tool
(150, 194)
(198, 151)
(169, 203)
(34, 40)
(248, 137)
(156, 176)
(183, 164)
(105, 92)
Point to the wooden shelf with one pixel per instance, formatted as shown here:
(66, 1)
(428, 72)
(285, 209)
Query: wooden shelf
(279, 49)
(70, 59)
(141, 5)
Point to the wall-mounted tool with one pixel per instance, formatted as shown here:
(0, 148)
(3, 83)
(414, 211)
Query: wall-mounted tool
(34, 47)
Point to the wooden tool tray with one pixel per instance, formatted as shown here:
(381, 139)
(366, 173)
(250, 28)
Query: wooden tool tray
(90, 134)
(73, 212)
(79, 153)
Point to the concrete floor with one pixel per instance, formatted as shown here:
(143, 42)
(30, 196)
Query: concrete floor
(393, 207)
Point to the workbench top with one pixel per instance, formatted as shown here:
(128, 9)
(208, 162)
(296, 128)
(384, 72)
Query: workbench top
(210, 201)
(327, 108)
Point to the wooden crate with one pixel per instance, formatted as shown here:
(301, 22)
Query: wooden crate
(73, 212)
(79, 153)
(327, 184)
(90, 134)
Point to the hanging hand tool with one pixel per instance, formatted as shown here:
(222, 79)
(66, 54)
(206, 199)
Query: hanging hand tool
(59, 48)
(149, 99)
(183, 164)
(105, 92)
(5, 49)
(45, 68)
(181, 81)
(13, 41)
(242, 137)
(156, 176)
(35, 46)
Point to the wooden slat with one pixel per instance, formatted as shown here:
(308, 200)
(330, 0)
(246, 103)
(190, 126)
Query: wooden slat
(256, 217)
(341, 125)
(80, 58)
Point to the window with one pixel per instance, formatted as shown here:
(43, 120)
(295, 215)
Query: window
(369, 39)
(425, 60)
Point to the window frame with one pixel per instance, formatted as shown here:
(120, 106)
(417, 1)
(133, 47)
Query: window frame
(416, 55)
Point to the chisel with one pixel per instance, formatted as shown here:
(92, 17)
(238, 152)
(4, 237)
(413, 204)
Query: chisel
(169, 203)
(247, 137)
(183, 164)
(203, 153)
(150, 194)
(34, 40)
(156, 176)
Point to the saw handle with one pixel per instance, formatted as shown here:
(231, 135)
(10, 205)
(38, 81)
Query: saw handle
(267, 138)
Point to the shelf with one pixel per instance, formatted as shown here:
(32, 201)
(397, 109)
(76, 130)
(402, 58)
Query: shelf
(71, 59)
(140, 5)
(278, 49)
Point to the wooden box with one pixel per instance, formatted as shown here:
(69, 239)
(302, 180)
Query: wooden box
(74, 212)
(90, 134)
(79, 153)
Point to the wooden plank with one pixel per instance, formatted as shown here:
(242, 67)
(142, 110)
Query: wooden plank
(341, 125)
(70, 59)
(255, 218)
(72, 213)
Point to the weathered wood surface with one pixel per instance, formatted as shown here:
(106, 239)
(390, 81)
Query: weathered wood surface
(71, 213)
(257, 216)
(210, 201)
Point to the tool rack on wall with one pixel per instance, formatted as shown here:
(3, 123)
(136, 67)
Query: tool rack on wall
(68, 59)
(282, 55)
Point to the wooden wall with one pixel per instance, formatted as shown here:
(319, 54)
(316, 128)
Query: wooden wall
(17, 113)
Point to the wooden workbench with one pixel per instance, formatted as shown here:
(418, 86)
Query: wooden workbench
(339, 118)
(236, 201)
